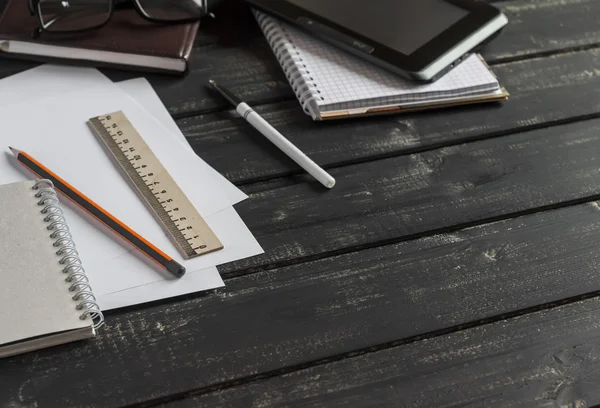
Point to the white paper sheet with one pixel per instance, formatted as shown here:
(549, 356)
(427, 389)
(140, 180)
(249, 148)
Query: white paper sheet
(143, 93)
(60, 138)
(126, 271)
(48, 80)
(45, 81)
(238, 241)
(55, 131)
(195, 282)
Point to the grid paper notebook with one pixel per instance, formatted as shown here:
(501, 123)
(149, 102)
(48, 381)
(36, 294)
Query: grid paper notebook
(45, 299)
(327, 79)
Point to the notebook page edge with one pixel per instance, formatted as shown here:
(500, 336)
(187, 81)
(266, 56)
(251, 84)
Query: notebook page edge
(323, 50)
(48, 306)
(49, 340)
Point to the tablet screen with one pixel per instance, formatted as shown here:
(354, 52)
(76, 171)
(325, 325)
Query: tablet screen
(404, 25)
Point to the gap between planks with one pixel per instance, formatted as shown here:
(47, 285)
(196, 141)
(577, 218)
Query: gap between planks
(541, 54)
(453, 329)
(388, 242)
(381, 243)
(492, 62)
(364, 351)
(409, 237)
(266, 183)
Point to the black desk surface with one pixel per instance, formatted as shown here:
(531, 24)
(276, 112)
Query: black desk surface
(456, 262)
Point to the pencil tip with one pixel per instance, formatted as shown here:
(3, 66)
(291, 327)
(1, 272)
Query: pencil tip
(14, 151)
(213, 83)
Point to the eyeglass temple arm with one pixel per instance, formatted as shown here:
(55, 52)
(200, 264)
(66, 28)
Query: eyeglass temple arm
(59, 17)
(119, 5)
(32, 6)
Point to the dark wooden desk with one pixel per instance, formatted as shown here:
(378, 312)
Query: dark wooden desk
(455, 263)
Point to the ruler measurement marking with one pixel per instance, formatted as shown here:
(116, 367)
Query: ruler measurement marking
(150, 198)
(126, 140)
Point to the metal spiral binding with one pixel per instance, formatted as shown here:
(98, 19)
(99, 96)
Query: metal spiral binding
(291, 61)
(65, 248)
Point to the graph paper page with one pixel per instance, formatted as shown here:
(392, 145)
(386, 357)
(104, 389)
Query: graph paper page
(343, 81)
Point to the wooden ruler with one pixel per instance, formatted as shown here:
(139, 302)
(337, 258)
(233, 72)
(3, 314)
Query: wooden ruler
(188, 230)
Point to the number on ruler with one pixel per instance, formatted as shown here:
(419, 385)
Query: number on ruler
(165, 198)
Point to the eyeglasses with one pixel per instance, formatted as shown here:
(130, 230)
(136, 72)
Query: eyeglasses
(69, 16)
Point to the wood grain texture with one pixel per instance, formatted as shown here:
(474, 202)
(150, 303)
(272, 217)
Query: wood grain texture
(404, 197)
(544, 27)
(294, 315)
(546, 359)
(243, 61)
(353, 286)
(543, 91)
(232, 50)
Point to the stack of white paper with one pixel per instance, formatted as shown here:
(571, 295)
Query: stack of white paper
(53, 129)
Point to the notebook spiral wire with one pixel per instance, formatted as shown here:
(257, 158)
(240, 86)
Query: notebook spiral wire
(65, 248)
(292, 63)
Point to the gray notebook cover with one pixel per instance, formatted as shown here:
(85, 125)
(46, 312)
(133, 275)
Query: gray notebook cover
(36, 308)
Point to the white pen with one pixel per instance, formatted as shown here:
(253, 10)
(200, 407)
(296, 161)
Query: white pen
(287, 147)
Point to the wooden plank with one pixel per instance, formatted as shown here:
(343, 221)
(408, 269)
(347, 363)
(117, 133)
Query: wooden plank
(232, 50)
(42, 377)
(543, 91)
(546, 359)
(529, 32)
(408, 196)
(243, 60)
(248, 69)
(10, 66)
(296, 315)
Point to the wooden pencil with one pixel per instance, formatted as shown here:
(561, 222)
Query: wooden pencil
(101, 214)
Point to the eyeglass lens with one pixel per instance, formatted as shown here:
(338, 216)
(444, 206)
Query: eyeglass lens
(73, 15)
(76, 15)
(172, 10)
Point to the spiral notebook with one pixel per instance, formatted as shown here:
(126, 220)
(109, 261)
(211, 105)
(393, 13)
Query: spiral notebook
(331, 83)
(45, 297)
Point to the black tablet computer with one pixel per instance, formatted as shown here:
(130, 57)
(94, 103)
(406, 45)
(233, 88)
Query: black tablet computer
(419, 39)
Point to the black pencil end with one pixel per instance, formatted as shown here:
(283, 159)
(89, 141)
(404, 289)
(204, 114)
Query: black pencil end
(226, 93)
(175, 268)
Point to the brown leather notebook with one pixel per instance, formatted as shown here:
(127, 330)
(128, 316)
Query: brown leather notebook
(127, 41)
